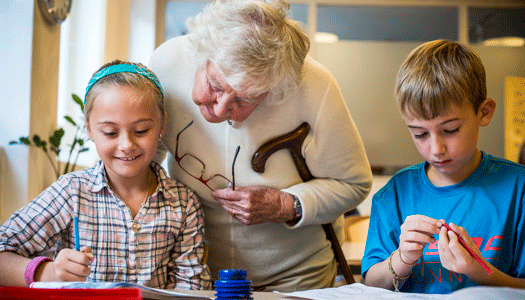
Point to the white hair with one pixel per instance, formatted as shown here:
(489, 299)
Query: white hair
(253, 44)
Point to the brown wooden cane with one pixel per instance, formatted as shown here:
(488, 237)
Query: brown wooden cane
(293, 142)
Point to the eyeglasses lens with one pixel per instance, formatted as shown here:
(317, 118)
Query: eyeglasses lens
(194, 167)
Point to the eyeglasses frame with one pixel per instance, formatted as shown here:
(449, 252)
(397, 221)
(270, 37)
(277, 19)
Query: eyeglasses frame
(201, 179)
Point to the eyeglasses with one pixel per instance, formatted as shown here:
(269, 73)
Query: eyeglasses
(196, 168)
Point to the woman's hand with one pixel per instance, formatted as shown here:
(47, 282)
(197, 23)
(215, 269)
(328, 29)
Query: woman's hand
(416, 232)
(454, 257)
(256, 204)
(69, 265)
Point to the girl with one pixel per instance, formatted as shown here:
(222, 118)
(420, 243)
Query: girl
(134, 223)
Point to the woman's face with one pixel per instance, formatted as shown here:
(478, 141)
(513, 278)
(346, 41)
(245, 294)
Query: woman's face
(217, 100)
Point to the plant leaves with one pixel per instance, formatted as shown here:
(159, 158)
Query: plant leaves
(78, 101)
(70, 120)
(37, 140)
(56, 138)
(55, 150)
(25, 140)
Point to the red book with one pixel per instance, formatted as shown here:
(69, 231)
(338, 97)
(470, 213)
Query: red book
(26, 293)
(92, 290)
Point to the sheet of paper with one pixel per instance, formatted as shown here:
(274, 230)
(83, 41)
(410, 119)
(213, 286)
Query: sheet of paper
(358, 291)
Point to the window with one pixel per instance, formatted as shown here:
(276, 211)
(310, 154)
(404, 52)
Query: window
(299, 12)
(388, 23)
(496, 25)
(177, 12)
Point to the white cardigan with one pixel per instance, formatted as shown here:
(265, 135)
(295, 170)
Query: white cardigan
(281, 257)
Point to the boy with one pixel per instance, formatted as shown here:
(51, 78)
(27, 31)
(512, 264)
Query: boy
(441, 93)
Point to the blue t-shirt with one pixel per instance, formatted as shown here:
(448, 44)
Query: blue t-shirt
(489, 204)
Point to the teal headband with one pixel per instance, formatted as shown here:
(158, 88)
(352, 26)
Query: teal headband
(123, 68)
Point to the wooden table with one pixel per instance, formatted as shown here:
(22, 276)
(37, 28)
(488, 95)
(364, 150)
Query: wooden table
(255, 295)
(353, 253)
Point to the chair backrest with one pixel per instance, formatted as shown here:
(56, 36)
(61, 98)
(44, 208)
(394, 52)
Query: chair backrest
(356, 228)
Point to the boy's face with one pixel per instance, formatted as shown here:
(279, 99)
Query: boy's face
(449, 142)
(125, 125)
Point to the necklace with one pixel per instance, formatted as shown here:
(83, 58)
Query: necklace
(147, 189)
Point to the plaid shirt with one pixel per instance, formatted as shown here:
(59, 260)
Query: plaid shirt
(162, 247)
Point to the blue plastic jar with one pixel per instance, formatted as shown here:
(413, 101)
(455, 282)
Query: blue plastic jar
(232, 284)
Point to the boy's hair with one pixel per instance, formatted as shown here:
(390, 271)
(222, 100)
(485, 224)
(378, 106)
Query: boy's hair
(437, 74)
(134, 80)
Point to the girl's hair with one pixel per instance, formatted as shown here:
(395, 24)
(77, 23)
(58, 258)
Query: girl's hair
(437, 74)
(253, 44)
(128, 79)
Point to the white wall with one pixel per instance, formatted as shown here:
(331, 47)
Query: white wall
(29, 85)
(30, 56)
(366, 73)
(84, 34)
(499, 62)
(142, 30)
(16, 33)
(89, 34)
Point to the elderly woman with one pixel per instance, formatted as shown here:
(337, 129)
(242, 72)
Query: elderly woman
(242, 75)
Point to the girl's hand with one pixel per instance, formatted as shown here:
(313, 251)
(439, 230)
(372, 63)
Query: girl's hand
(69, 265)
(454, 257)
(416, 232)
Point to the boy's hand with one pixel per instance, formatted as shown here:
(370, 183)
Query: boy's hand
(454, 257)
(416, 232)
(69, 265)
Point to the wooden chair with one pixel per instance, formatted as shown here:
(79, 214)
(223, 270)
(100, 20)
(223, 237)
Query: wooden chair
(356, 228)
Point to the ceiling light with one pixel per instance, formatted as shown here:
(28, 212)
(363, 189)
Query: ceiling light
(325, 38)
(510, 41)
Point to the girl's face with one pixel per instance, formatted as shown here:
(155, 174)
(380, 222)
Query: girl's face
(449, 142)
(125, 125)
(217, 100)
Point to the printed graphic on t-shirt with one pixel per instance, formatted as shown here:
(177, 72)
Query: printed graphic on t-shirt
(435, 273)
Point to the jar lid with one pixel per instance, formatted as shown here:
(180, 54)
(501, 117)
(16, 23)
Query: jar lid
(232, 274)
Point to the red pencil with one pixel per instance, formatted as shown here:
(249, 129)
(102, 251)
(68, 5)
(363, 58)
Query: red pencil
(476, 257)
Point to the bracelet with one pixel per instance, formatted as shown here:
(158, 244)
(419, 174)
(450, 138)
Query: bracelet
(396, 279)
(422, 263)
(29, 274)
(399, 251)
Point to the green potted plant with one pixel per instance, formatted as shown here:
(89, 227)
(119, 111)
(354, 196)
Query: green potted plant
(53, 145)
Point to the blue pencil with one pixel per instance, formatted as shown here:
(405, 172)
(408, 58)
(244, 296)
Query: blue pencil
(77, 242)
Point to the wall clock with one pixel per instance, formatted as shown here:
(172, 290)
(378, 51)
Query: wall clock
(55, 11)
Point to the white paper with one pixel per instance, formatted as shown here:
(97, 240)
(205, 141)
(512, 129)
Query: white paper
(358, 291)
